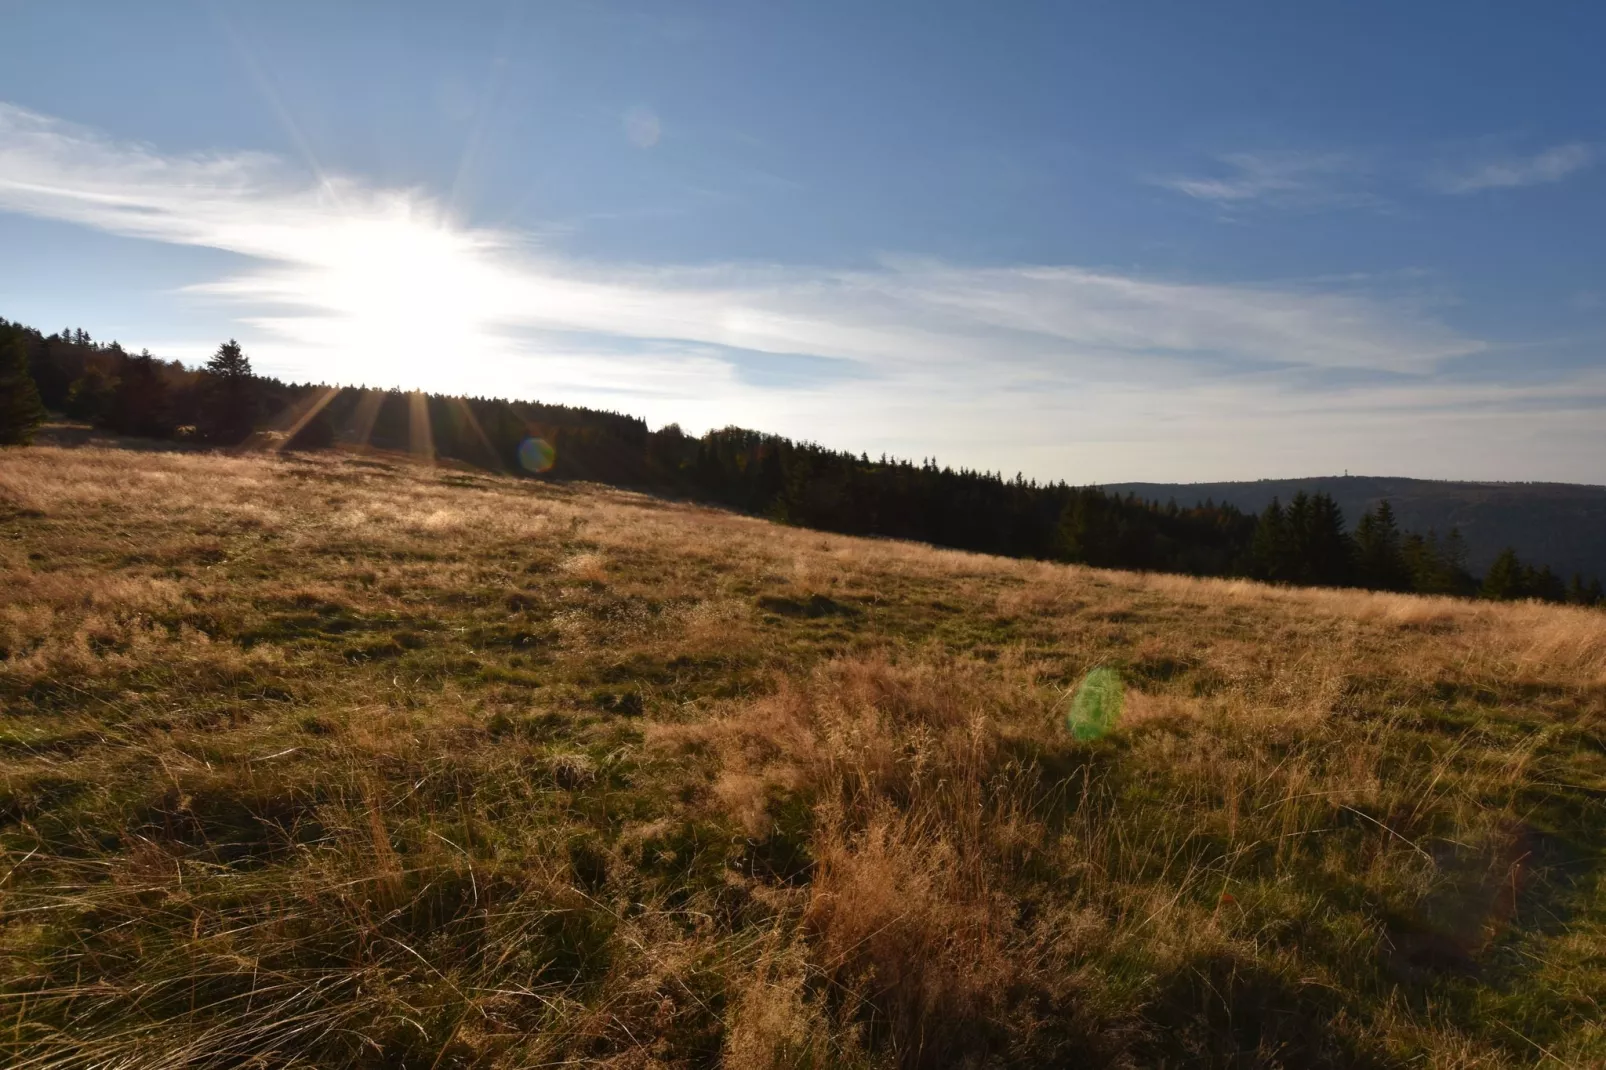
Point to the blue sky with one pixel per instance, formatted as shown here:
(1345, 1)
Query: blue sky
(1099, 241)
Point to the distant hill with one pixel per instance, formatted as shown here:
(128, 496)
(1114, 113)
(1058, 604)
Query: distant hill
(1562, 525)
(1557, 526)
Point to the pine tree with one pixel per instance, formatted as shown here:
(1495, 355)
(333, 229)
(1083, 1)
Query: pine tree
(1319, 550)
(1269, 549)
(1455, 563)
(49, 373)
(229, 412)
(1378, 550)
(21, 412)
(140, 404)
(1296, 557)
(1423, 564)
(1504, 580)
(229, 362)
(1546, 585)
(771, 474)
(90, 395)
(1086, 533)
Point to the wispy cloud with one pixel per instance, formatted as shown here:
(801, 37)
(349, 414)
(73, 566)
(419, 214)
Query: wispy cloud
(1311, 181)
(1281, 179)
(394, 269)
(1028, 366)
(1551, 165)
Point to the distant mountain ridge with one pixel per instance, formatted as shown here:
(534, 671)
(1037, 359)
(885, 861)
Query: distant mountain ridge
(1562, 525)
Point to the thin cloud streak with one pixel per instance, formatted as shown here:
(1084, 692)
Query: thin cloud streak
(1285, 179)
(1309, 181)
(1551, 165)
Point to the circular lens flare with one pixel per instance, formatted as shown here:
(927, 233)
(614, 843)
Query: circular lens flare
(537, 455)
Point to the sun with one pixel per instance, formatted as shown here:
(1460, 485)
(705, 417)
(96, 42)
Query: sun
(389, 295)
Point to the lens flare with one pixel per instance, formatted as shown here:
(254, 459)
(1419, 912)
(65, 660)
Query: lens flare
(536, 455)
(1096, 706)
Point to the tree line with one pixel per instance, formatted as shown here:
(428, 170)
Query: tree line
(1305, 542)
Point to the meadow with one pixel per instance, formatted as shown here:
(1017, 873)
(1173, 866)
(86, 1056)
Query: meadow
(334, 760)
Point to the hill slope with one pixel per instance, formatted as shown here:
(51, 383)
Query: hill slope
(1562, 525)
(327, 761)
(832, 490)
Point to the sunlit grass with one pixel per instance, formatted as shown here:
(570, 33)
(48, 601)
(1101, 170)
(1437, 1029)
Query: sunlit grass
(335, 760)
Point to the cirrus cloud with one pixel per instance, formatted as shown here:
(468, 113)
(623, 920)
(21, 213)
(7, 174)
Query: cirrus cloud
(339, 249)
(1049, 367)
(1552, 165)
(1284, 179)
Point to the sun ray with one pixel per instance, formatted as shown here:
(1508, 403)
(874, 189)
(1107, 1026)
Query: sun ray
(420, 435)
(271, 97)
(298, 420)
(292, 418)
(461, 407)
(490, 97)
(363, 420)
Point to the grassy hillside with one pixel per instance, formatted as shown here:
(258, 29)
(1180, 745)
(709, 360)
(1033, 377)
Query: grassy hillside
(330, 761)
(1562, 525)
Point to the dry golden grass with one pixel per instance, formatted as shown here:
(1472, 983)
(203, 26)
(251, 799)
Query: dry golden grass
(324, 761)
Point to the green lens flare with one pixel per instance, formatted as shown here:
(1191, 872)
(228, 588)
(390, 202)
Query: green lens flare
(1096, 706)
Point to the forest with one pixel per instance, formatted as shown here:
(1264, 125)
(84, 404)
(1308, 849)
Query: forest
(1304, 542)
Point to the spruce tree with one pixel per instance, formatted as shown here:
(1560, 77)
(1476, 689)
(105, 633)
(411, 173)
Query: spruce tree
(229, 362)
(49, 374)
(1546, 585)
(1460, 581)
(90, 395)
(1378, 550)
(1421, 557)
(1504, 580)
(140, 404)
(1084, 535)
(228, 414)
(1270, 546)
(21, 412)
(1329, 551)
(1297, 553)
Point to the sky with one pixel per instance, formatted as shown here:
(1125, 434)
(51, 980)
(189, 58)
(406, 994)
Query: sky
(1090, 241)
